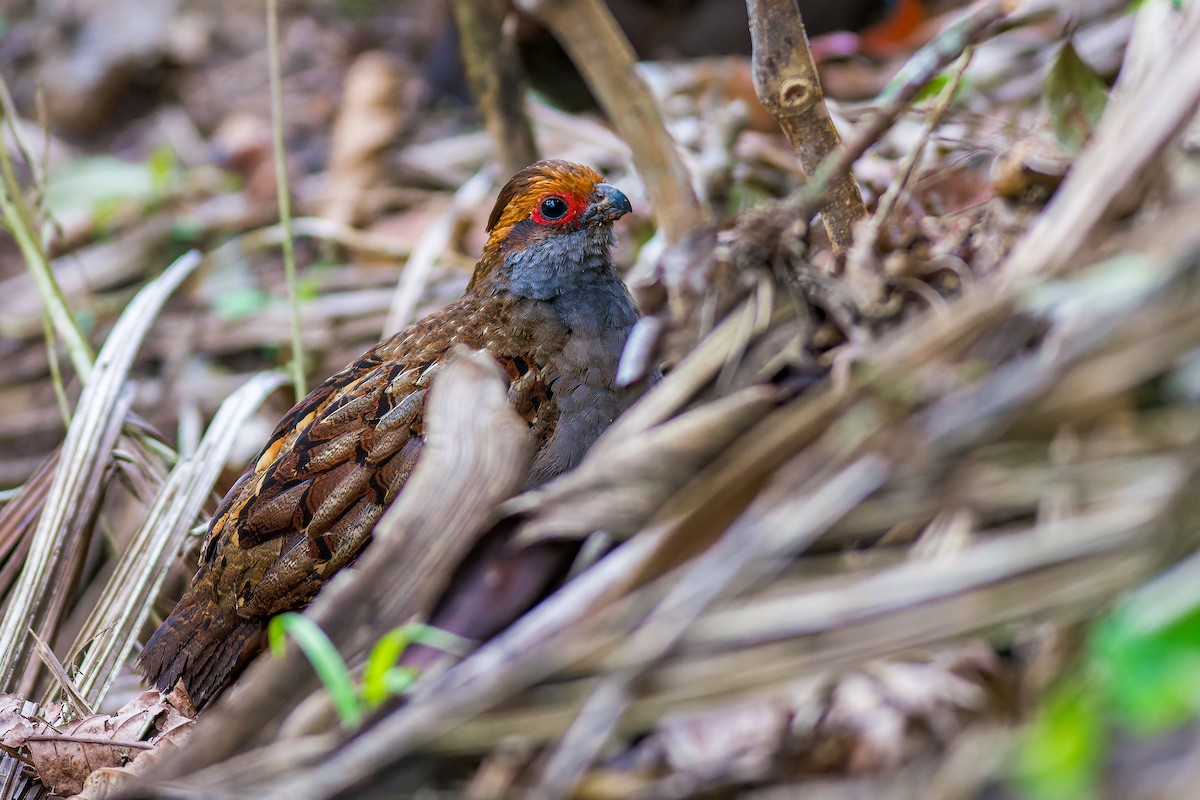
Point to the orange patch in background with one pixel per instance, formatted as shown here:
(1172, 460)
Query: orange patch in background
(896, 31)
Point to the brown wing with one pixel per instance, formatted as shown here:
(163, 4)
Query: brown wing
(308, 504)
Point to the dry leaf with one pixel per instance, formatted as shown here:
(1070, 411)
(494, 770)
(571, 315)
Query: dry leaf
(15, 727)
(64, 755)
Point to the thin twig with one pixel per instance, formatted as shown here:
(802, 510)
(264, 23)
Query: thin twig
(970, 29)
(56, 377)
(887, 203)
(90, 740)
(284, 194)
(59, 673)
(867, 281)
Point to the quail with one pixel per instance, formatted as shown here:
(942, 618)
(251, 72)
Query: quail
(544, 300)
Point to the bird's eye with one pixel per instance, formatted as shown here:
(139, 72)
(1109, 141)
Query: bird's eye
(553, 208)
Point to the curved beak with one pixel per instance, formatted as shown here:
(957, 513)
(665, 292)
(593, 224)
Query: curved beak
(609, 203)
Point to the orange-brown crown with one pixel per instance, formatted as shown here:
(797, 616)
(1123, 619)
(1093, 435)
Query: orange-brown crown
(521, 195)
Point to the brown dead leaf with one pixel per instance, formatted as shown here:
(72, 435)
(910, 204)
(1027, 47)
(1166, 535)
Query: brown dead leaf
(15, 727)
(241, 144)
(107, 781)
(64, 754)
(64, 758)
(1030, 171)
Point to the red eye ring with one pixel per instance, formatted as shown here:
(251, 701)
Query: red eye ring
(557, 209)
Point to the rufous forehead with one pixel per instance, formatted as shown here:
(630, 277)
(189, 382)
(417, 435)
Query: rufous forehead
(531, 185)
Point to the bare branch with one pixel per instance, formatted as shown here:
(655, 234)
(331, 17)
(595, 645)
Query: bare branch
(786, 81)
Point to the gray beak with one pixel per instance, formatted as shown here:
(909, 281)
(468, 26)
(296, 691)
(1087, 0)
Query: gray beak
(610, 202)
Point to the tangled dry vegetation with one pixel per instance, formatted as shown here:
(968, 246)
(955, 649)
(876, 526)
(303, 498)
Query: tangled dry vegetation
(840, 551)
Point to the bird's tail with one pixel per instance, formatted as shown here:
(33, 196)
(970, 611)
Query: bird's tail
(203, 645)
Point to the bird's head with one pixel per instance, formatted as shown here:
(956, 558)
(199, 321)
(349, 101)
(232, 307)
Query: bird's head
(552, 221)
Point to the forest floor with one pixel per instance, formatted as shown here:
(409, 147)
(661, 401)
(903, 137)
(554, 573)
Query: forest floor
(910, 515)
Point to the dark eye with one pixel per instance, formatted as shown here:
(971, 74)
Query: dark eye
(553, 208)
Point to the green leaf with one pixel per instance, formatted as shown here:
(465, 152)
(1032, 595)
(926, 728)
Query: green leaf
(241, 302)
(932, 89)
(324, 657)
(1139, 669)
(88, 184)
(1075, 96)
(383, 679)
(439, 639)
(1062, 753)
(162, 167)
(381, 661)
(1152, 675)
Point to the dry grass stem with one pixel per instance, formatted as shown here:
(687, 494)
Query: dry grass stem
(843, 545)
(283, 194)
(111, 631)
(88, 446)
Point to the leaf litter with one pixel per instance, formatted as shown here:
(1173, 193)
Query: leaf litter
(946, 451)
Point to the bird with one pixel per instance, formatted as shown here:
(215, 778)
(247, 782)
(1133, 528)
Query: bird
(544, 300)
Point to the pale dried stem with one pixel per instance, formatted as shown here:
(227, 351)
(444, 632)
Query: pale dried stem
(452, 494)
(737, 559)
(59, 541)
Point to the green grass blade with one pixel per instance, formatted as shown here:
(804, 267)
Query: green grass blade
(324, 657)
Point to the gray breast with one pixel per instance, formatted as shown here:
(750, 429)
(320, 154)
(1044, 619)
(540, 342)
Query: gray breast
(572, 278)
(584, 373)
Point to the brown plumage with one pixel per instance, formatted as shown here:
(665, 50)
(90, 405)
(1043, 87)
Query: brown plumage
(544, 300)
